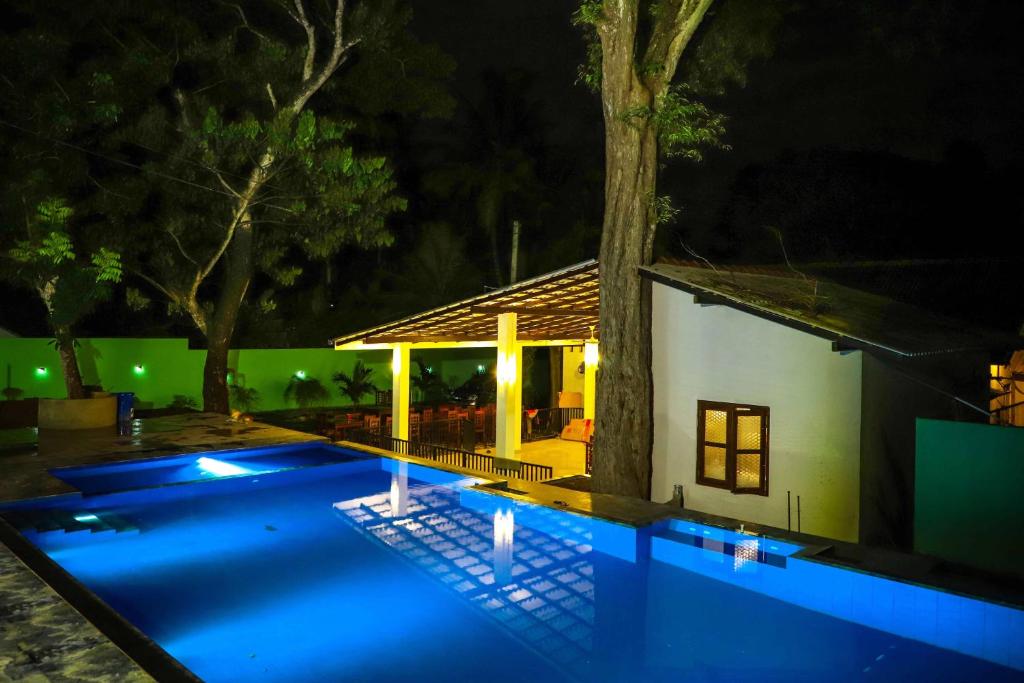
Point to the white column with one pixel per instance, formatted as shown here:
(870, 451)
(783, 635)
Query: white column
(590, 356)
(507, 414)
(400, 391)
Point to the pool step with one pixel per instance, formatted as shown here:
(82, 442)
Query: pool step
(50, 521)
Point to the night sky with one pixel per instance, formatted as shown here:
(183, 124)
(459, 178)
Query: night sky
(899, 91)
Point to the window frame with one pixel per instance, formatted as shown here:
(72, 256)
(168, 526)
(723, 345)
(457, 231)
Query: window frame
(732, 411)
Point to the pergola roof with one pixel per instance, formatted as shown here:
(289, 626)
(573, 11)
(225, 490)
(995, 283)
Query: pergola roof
(561, 305)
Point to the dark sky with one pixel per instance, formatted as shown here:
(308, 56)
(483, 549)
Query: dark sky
(912, 91)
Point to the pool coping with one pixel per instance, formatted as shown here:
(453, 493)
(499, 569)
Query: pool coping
(157, 662)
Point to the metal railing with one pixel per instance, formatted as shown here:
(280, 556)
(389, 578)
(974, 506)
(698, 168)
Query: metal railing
(479, 462)
(547, 423)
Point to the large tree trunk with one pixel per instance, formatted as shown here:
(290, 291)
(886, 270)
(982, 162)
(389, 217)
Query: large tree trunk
(69, 363)
(624, 429)
(238, 269)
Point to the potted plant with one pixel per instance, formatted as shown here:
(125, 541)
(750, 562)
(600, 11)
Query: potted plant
(356, 385)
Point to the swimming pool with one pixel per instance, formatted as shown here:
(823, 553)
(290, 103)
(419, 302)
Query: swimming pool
(368, 568)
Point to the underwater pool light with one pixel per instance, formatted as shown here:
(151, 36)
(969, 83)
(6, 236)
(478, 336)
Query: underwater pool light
(86, 518)
(220, 468)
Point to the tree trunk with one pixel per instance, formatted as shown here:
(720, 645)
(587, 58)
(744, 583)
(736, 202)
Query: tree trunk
(238, 269)
(69, 363)
(624, 417)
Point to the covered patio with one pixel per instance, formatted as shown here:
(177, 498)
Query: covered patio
(560, 308)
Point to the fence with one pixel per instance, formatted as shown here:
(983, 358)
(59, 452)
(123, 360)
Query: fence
(445, 455)
(968, 479)
(464, 429)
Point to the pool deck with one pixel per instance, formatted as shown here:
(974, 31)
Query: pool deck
(44, 638)
(566, 458)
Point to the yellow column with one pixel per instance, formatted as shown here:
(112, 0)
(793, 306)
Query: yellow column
(507, 413)
(400, 391)
(517, 403)
(589, 380)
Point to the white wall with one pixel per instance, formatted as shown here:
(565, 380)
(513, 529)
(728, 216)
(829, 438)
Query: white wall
(717, 353)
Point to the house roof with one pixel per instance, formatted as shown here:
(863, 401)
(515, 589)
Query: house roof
(851, 318)
(559, 305)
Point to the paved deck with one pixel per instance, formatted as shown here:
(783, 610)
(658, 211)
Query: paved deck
(567, 458)
(26, 457)
(42, 638)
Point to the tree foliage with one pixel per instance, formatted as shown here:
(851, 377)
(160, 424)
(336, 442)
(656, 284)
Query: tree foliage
(42, 257)
(223, 147)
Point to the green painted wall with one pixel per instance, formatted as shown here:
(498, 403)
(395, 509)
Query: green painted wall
(968, 482)
(170, 368)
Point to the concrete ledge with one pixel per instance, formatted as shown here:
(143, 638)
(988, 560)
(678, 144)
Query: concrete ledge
(77, 413)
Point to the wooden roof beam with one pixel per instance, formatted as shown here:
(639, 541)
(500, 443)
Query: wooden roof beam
(534, 310)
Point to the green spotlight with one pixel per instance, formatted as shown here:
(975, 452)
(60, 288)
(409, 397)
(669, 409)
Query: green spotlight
(301, 374)
(139, 369)
(42, 372)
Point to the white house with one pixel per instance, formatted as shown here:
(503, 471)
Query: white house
(790, 402)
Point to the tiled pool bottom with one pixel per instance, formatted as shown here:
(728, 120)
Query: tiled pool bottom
(380, 570)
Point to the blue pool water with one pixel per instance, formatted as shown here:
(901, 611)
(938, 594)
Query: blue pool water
(178, 469)
(369, 569)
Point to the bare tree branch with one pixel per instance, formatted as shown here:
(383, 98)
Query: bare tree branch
(181, 248)
(307, 26)
(245, 22)
(677, 22)
(171, 296)
(273, 100)
(338, 52)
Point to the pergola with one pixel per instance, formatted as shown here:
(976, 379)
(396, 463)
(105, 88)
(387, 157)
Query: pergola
(555, 309)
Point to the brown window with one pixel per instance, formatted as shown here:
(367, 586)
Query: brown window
(732, 447)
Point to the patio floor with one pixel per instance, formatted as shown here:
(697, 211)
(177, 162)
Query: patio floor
(566, 457)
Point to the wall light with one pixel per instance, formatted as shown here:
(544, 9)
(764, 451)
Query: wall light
(590, 355)
(139, 369)
(301, 374)
(506, 370)
(42, 372)
(480, 369)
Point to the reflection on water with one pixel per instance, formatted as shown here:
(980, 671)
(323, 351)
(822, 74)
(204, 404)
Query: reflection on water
(504, 538)
(400, 490)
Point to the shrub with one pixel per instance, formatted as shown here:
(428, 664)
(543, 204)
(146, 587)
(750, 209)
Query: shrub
(242, 398)
(356, 385)
(305, 391)
(181, 401)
